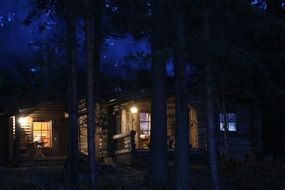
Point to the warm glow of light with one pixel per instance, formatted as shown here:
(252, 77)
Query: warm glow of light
(23, 120)
(134, 109)
(66, 115)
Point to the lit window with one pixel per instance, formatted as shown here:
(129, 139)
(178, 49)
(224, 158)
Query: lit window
(228, 121)
(42, 133)
(145, 123)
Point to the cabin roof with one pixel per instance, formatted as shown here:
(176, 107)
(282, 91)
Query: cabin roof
(45, 107)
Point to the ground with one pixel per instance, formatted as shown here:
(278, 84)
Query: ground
(234, 176)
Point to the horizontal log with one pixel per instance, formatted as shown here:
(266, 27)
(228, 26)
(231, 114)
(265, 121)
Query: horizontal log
(124, 135)
(123, 151)
(127, 141)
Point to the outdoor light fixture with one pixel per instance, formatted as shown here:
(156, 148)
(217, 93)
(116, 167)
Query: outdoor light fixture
(66, 115)
(22, 120)
(112, 100)
(134, 109)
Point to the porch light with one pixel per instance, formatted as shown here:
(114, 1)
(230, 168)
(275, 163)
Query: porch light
(66, 115)
(23, 120)
(112, 100)
(134, 109)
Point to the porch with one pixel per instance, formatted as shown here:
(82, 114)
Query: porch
(126, 151)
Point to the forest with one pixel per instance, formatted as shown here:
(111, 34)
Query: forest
(68, 50)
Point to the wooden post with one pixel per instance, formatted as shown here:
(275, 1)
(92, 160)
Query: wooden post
(11, 139)
(17, 141)
(133, 145)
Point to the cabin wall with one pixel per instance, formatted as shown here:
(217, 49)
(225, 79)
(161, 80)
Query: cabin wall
(121, 120)
(240, 142)
(4, 140)
(60, 132)
(101, 131)
(111, 123)
(25, 134)
(197, 104)
(83, 146)
(61, 137)
(127, 121)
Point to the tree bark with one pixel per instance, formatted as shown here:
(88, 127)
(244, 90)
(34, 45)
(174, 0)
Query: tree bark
(210, 110)
(158, 141)
(181, 104)
(90, 95)
(73, 103)
(211, 130)
(97, 42)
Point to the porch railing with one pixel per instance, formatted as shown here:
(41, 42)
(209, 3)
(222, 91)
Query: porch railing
(125, 142)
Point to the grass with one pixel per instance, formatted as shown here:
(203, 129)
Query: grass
(32, 178)
(234, 176)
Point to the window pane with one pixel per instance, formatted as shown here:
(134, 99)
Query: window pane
(222, 126)
(142, 116)
(145, 126)
(232, 126)
(37, 136)
(231, 117)
(145, 116)
(148, 117)
(42, 133)
(37, 126)
(144, 134)
(231, 121)
(44, 127)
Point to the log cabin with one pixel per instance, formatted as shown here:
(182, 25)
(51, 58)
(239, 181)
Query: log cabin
(123, 127)
(39, 132)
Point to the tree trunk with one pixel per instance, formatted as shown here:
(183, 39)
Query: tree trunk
(211, 130)
(210, 112)
(226, 126)
(181, 105)
(73, 103)
(90, 96)
(97, 42)
(158, 141)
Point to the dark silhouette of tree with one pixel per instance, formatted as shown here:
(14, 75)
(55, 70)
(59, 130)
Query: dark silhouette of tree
(98, 39)
(158, 139)
(210, 109)
(89, 41)
(73, 99)
(182, 168)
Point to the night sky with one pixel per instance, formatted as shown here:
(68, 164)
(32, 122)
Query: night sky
(15, 37)
(17, 41)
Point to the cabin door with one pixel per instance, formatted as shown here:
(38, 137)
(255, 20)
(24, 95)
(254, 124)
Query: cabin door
(193, 128)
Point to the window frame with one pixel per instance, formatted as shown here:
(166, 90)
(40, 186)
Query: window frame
(49, 123)
(147, 121)
(221, 122)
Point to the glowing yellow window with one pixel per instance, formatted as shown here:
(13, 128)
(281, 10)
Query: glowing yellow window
(42, 133)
